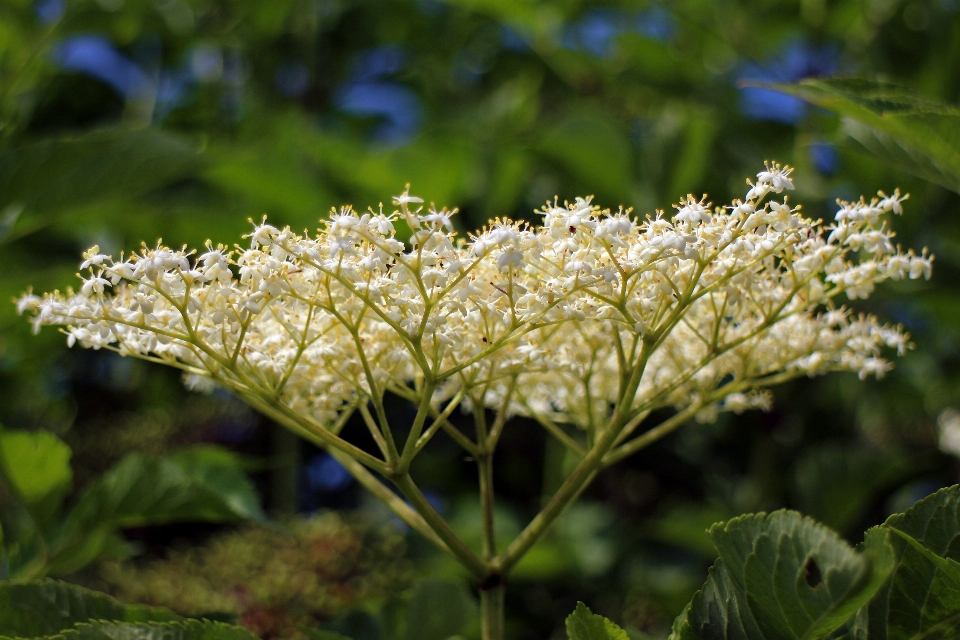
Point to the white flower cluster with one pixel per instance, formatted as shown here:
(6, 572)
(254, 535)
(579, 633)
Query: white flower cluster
(590, 315)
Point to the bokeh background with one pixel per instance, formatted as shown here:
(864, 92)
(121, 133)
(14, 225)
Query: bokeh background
(124, 121)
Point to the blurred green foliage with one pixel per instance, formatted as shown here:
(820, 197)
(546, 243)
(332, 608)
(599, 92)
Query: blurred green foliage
(779, 575)
(41, 536)
(125, 120)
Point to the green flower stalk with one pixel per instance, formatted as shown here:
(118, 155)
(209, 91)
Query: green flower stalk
(587, 323)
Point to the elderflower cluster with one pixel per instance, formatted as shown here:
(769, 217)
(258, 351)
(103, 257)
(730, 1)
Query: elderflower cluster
(551, 321)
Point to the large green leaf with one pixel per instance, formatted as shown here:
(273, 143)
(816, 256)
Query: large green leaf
(922, 598)
(948, 569)
(64, 174)
(202, 484)
(780, 576)
(47, 607)
(583, 624)
(178, 630)
(892, 122)
(718, 611)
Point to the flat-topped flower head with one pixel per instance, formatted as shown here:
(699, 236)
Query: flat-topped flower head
(598, 319)
(709, 306)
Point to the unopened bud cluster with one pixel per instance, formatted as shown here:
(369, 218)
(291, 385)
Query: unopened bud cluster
(714, 304)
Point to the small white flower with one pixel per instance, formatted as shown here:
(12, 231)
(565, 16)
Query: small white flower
(511, 257)
(405, 198)
(778, 178)
(93, 257)
(94, 285)
(892, 203)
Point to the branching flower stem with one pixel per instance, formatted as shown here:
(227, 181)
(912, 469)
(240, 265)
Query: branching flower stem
(588, 323)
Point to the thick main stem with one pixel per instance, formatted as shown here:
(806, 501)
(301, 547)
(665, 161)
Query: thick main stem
(488, 530)
(491, 610)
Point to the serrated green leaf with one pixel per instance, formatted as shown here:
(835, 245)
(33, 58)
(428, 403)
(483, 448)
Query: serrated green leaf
(717, 611)
(861, 138)
(179, 630)
(780, 575)
(47, 607)
(918, 135)
(922, 598)
(64, 174)
(950, 569)
(583, 624)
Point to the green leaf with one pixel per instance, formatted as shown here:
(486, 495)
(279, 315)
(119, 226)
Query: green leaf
(438, 610)
(583, 624)
(780, 575)
(178, 630)
(898, 152)
(922, 597)
(893, 123)
(64, 174)
(202, 484)
(35, 463)
(36, 466)
(46, 607)
(220, 473)
(949, 568)
(718, 611)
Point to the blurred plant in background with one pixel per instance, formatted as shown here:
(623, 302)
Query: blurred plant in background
(41, 536)
(275, 583)
(281, 108)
